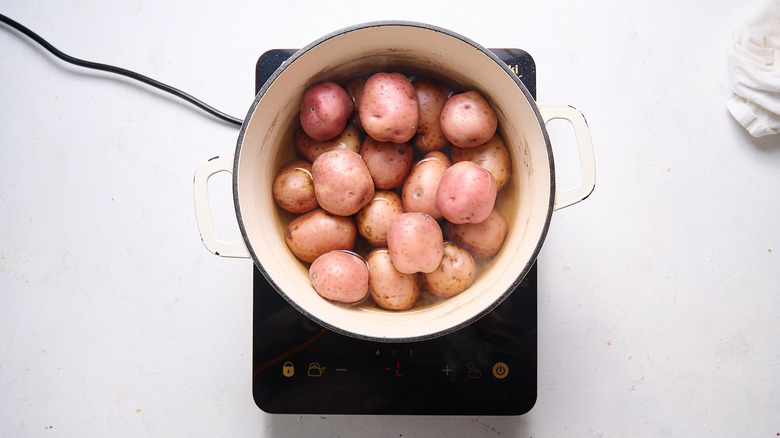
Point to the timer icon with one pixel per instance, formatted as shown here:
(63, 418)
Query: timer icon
(500, 370)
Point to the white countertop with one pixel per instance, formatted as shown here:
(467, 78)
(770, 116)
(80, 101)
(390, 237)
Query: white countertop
(658, 296)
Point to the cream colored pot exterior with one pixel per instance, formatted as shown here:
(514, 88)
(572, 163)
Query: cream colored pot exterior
(265, 144)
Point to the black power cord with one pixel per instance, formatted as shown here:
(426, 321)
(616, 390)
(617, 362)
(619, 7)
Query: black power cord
(112, 69)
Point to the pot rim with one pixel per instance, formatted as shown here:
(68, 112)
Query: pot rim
(548, 214)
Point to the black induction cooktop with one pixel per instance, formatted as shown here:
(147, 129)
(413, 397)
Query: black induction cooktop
(485, 368)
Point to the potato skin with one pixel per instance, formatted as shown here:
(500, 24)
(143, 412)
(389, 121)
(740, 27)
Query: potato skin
(373, 220)
(389, 163)
(483, 240)
(493, 156)
(325, 109)
(431, 97)
(415, 242)
(342, 182)
(310, 148)
(420, 225)
(312, 234)
(466, 193)
(388, 108)
(390, 288)
(418, 192)
(293, 188)
(455, 273)
(355, 90)
(468, 120)
(340, 276)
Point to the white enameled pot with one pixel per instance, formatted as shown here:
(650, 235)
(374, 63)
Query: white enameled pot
(265, 144)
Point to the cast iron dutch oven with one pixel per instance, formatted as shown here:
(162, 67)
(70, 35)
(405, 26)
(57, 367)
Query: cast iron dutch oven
(265, 144)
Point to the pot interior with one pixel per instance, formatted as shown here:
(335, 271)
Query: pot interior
(266, 143)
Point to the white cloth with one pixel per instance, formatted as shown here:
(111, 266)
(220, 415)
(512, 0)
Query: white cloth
(754, 68)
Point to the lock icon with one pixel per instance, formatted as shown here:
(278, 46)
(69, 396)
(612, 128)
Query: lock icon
(288, 369)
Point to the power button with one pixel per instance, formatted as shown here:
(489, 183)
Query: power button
(500, 370)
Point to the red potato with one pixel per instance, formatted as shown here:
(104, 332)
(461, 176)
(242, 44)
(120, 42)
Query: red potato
(390, 288)
(418, 192)
(454, 275)
(325, 110)
(340, 276)
(312, 234)
(468, 120)
(342, 182)
(371, 197)
(482, 240)
(373, 220)
(355, 89)
(388, 108)
(466, 193)
(415, 242)
(293, 189)
(389, 163)
(493, 156)
(439, 156)
(431, 97)
(310, 148)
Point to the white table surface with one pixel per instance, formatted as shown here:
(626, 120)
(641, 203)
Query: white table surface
(659, 296)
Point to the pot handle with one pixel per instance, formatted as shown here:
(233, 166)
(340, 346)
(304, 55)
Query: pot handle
(565, 198)
(220, 163)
